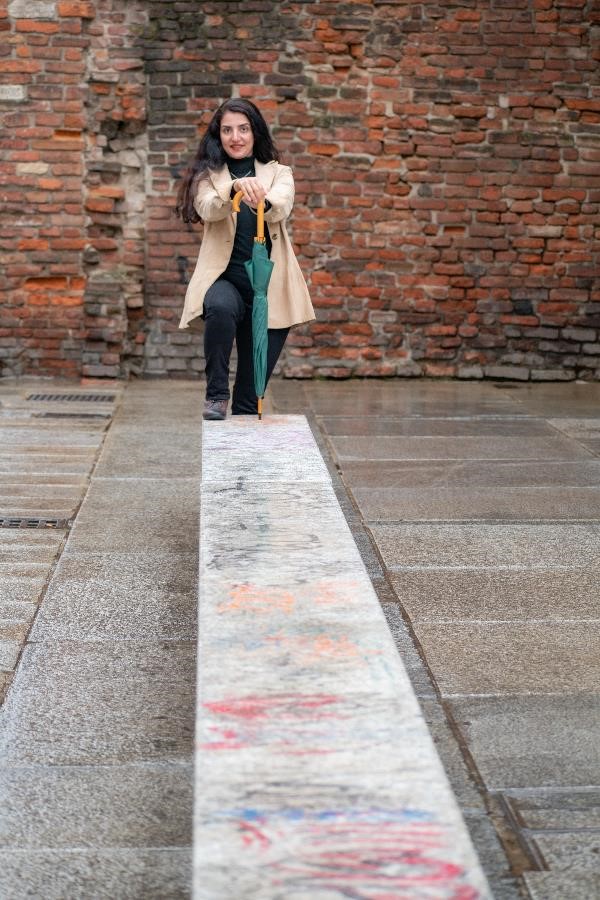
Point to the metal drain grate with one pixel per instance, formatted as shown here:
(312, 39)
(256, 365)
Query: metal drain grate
(73, 398)
(31, 522)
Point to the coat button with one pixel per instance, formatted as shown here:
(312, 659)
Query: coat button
(274, 237)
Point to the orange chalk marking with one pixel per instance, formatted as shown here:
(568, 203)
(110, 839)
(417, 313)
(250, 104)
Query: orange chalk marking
(258, 600)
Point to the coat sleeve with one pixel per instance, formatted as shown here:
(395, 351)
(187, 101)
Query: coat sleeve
(280, 195)
(211, 204)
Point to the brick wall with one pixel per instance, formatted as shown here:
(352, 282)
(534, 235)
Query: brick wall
(447, 162)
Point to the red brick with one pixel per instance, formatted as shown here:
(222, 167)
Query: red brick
(77, 9)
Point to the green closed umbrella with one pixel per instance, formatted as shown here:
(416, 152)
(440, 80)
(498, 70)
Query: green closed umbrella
(259, 269)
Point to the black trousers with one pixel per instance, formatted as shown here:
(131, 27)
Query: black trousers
(228, 317)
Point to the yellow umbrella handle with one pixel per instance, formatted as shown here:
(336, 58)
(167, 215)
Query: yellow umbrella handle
(235, 203)
(260, 216)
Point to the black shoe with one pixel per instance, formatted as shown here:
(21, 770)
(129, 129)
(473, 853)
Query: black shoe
(215, 409)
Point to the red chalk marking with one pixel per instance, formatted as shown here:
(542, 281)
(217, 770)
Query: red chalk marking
(252, 835)
(256, 707)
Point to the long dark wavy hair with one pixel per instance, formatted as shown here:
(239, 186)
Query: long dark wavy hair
(210, 153)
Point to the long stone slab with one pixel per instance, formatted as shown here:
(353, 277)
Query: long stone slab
(524, 742)
(315, 771)
(485, 546)
(499, 595)
(135, 805)
(127, 874)
(386, 447)
(132, 514)
(472, 474)
(505, 504)
(120, 596)
(497, 658)
(372, 426)
(99, 704)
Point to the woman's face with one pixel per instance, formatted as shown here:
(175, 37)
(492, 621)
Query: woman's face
(236, 135)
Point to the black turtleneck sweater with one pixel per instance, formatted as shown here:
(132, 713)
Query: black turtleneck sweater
(246, 226)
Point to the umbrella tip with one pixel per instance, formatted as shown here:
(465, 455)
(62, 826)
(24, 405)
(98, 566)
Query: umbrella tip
(259, 408)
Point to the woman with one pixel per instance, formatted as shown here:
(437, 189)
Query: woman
(237, 154)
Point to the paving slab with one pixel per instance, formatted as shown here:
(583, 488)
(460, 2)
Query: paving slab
(48, 440)
(120, 597)
(499, 595)
(463, 783)
(506, 504)
(17, 608)
(568, 400)
(9, 653)
(387, 426)
(81, 703)
(449, 448)
(484, 546)
(506, 889)
(158, 403)
(579, 429)
(36, 491)
(31, 572)
(563, 810)
(13, 631)
(131, 514)
(472, 474)
(62, 508)
(559, 886)
(140, 451)
(566, 852)
(488, 846)
(154, 874)
(528, 742)
(42, 480)
(136, 572)
(585, 431)
(35, 545)
(48, 421)
(5, 680)
(415, 667)
(62, 462)
(497, 658)
(398, 400)
(136, 805)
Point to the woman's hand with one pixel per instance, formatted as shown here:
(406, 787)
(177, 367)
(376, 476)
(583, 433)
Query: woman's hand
(252, 190)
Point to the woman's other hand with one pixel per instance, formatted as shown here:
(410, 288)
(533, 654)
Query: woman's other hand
(252, 190)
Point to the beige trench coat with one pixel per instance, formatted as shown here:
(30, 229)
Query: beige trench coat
(288, 297)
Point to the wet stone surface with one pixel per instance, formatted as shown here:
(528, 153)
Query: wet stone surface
(493, 561)
(97, 724)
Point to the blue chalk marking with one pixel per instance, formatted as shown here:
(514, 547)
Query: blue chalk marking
(297, 814)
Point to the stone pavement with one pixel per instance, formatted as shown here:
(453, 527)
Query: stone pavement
(479, 507)
(476, 507)
(97, 725)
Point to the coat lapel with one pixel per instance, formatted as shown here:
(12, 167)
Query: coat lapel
(221, 179)
(265, 172)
